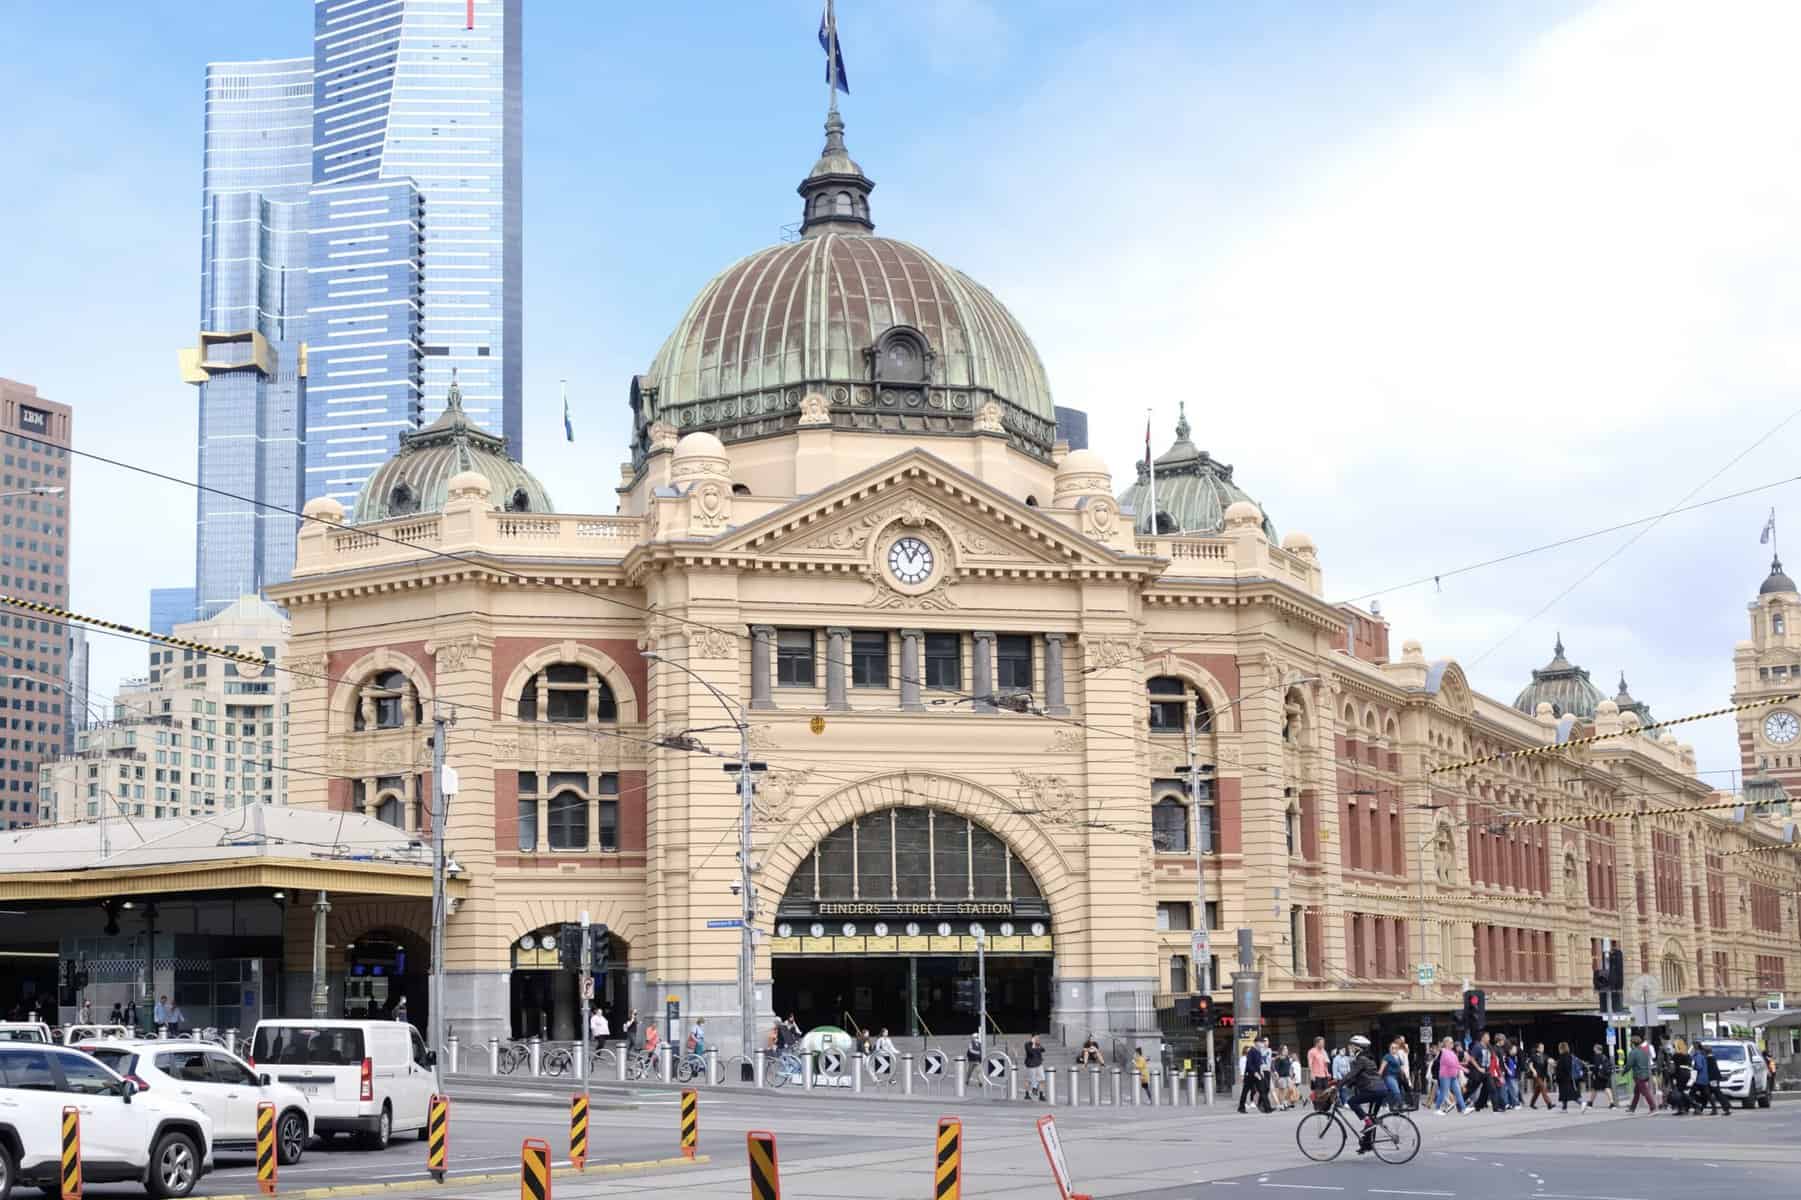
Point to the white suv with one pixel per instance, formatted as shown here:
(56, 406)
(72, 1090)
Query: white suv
(220, 1085)
(1744, 1076)
(126, 1136)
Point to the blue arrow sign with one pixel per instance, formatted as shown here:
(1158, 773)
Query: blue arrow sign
(728, 923)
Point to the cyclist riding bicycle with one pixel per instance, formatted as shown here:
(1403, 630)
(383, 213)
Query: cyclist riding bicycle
(1362, 1085)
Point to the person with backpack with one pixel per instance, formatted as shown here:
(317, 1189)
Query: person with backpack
(1510, 1075)
(1569, 1077)
(1034, 1066)
(972, 1057)
(1600, 1078)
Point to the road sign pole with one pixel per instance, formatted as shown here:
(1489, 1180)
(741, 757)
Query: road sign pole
(982, 993)
(587, 989)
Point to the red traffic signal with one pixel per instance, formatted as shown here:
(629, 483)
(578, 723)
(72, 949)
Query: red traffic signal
(1475, 1009)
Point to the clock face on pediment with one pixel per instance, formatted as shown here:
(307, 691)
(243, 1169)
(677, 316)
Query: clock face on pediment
(911, 560)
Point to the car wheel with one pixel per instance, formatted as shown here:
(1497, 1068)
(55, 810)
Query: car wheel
(7, 1170)
(384, 1130)
(1763, 1101)
(290, 1138)
(174, 1166)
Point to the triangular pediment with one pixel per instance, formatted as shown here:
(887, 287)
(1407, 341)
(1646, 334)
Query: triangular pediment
(984, 526)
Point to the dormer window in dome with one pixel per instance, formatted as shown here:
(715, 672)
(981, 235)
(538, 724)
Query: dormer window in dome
(403, 500)
(520, 501)
(901, 356)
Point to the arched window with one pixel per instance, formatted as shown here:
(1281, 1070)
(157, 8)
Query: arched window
(568, 820)
(912, 854)
(1165, 523)
(562, 692)
(390, 812)
(519, 501)
(1291, 824)
(1170, 698)
(1169, 826)
(382, 702)
(402, 499)
(1777, 625)
(841, 204)
(741, 489)
(574, 803)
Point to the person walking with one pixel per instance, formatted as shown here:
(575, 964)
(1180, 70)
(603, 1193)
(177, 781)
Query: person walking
(972, 1058)
(1568, 1070)
(1319, 1067)
(1477, 1093)
(1639, 1064)
(1600, 1078)
(1252, 1074)
(1142, 1068)
(1450, 1079)
(597, 1027)
(1281, 1071)
(1034, 1065)
(1702, 1092)
(1719, 1098)
(1510, 1076)
(1538, 1076)
(1394, 1074)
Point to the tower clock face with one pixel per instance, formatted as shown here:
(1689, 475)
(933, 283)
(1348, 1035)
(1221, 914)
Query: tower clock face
(910, 560)
(1781, 728)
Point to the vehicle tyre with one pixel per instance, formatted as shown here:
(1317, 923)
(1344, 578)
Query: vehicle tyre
(174, 1166)
(1763, 1101)
(8, 1171)
(1397, 1139)
(1320, 1137)
(384, 1131)
(290, 1137)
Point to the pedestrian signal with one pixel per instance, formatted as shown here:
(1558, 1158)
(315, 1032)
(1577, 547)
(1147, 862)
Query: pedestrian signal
(1475, 1009)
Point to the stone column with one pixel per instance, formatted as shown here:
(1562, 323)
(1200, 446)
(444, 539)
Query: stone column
(1054, 702)
(837, 654)
(981, 683)
(409, 803)
(911, 669)
(370, 803)
(762, 638)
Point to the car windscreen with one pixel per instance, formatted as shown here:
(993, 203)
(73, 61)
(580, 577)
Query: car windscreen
(1727, 1051)
(317, 1046)
(124, 1062)
(23, 1035)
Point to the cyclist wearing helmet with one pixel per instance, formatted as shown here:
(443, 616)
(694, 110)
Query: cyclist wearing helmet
(1363, 1085)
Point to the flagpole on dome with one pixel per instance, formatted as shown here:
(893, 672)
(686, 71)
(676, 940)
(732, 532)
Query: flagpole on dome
(1769, 535)
(1152, 462)
(835, 79)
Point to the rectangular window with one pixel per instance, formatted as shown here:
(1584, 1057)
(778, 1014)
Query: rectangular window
(944, 661)
(608, 815)
(528, 811)
(868, 659)
(1177, 915)
(794, 657)
(1169, 826)
(568, 819)
(1178, 974)
(1013, 662)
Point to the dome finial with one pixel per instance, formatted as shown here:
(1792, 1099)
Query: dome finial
(1181, 420)
(455, 399)
(835, 193)
(1557, 651)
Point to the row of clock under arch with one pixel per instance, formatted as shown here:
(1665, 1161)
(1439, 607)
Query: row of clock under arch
(880, 929)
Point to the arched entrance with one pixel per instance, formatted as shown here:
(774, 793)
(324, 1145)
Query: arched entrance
(381, 968)
(546, 999)
(879, 925)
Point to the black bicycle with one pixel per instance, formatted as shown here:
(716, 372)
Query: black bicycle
(1322, 1135)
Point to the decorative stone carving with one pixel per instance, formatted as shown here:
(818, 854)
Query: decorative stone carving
(775, 796)
(1100, 519)
(884, 596)
(506, 747)
(1103, 654)
(1068, 740)
(988, 420)
(712, 643)
(762, 737)
(1444, 846)
(663, 436)
(308, 670)
(1049, 798)
(815, 409)
(452, 656)
(710, 508)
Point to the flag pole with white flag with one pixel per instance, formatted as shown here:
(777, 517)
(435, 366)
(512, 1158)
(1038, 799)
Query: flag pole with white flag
(1769, 533)
(568, 426)
(1152, 463)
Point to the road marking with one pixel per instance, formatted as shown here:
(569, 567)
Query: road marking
(1306, 1187)
(1571, 1196)
(1405, 1192)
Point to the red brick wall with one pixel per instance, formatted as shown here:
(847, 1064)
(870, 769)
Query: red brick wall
(509, 652)
(1231, 816)
(340, 661)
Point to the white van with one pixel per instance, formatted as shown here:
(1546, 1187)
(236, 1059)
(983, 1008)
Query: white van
(366, 1078)
(25, 1031)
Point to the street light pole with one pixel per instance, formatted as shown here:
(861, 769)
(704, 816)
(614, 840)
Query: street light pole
(1203, 941)
(443, 784)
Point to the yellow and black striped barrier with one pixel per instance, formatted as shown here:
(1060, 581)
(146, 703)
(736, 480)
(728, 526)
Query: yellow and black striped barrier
(437, 1137)
(265, 1148)
(578, 1130)
(534, 1169)
(948, 1171)
(690, 1122)
(71, 1172)
(765, 1178)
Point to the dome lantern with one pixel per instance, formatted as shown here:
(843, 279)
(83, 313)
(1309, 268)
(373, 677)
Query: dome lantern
(835, 193)
(1194, 491)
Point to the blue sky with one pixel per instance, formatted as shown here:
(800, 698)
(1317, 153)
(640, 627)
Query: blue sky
(1442, 281)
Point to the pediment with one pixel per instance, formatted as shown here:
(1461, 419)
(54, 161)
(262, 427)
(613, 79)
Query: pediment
(979, 526)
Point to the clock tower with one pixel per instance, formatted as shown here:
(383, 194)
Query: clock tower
(1767, 666)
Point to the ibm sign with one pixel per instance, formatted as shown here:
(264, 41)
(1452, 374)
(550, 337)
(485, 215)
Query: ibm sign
(34, 419)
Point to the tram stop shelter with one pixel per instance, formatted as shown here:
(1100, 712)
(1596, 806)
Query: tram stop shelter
(234, 916)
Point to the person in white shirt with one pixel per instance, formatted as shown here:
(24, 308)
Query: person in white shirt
(597, 1027)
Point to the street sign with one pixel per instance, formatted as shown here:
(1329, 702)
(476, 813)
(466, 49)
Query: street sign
(832, 1062)
(1199, 946)
(726, 923)
(1425, 1035)
(997, 1066)
(881, 1065)
(932, 1065)
(1425, 972)
(1644, 991)
(587, 987)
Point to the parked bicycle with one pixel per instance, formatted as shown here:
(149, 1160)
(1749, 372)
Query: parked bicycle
(514, 1055)
(690, 1067)
(557, 1060)
(1322, 1135)
(783, 1068)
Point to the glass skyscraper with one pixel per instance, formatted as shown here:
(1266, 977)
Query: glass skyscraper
(415, 227)
(250, 364)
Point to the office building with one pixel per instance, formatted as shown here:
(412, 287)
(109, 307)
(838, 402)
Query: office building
(250, 363)
(169, 607)
(415, 227)
(34, 565)
(77, 672)
(197, 735)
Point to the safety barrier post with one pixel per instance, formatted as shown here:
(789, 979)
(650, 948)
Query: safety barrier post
(1156, 1088)
(537, 1048)
(625, 1052)
(493, 1056)
(1050, 1086)
(760, 1067)
(231, 1041)
(713, 1066)
(667, 1054)
(690, 1122)
(765, 1177)
(578, 1130)
(437, 1137)
(806, 1070)
(907, 1076)
(534, 1169)
(856, 1074)
(265, 1147)
(453, 1053)
(961, 1071)
(1012, 1083)
(1094, 1086)
(1115, 1087)
(71, 1160)
(947, 1174)
(1075, 1087)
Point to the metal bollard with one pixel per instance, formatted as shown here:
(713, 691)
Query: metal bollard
(1094, 1086)
(1192, 1089)
(713, 1066)
(856, 1074)
(1156, 1088)
(1050, 1087)
(961, 1071)
(451, 1053)
(493, 1056)
(1115, 1087)
(231, 1041)
(1075, 1087)
(537, 1046)
(667, 1054)
(1207, 1086)
(625, 1052)
(760, 1067)
(806, 1070)
(906, 1075)
(1013, 1084)
(1137, 1092)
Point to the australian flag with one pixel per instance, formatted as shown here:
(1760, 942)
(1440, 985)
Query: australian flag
(834, 52)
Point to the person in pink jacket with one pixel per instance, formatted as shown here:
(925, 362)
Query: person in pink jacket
(1450, 1079)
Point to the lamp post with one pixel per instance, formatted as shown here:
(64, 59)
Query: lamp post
(744, 767)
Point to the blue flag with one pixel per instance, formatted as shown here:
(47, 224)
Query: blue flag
(568, 426)
(834, 50)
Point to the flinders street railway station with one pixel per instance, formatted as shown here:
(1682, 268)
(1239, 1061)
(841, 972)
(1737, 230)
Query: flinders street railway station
(970, 659)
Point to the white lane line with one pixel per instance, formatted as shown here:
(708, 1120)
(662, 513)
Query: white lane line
(1405, 1192)
(1573, 1196)
(1306, 1187)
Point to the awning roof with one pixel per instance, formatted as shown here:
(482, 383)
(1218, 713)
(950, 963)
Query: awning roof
(1690, 1006)
(256, 847)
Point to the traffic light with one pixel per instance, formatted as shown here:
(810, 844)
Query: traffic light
(569, 947)
(1204, 1016)
(1602, 983)
(1475, 1010)
(1616, 970)
(598, 948)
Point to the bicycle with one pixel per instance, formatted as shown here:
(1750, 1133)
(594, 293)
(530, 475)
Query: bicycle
(641, 1065)
(558, 1060)
(785, 1067)
(689, 1067)
(513, 1055)
(1322, 1135)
